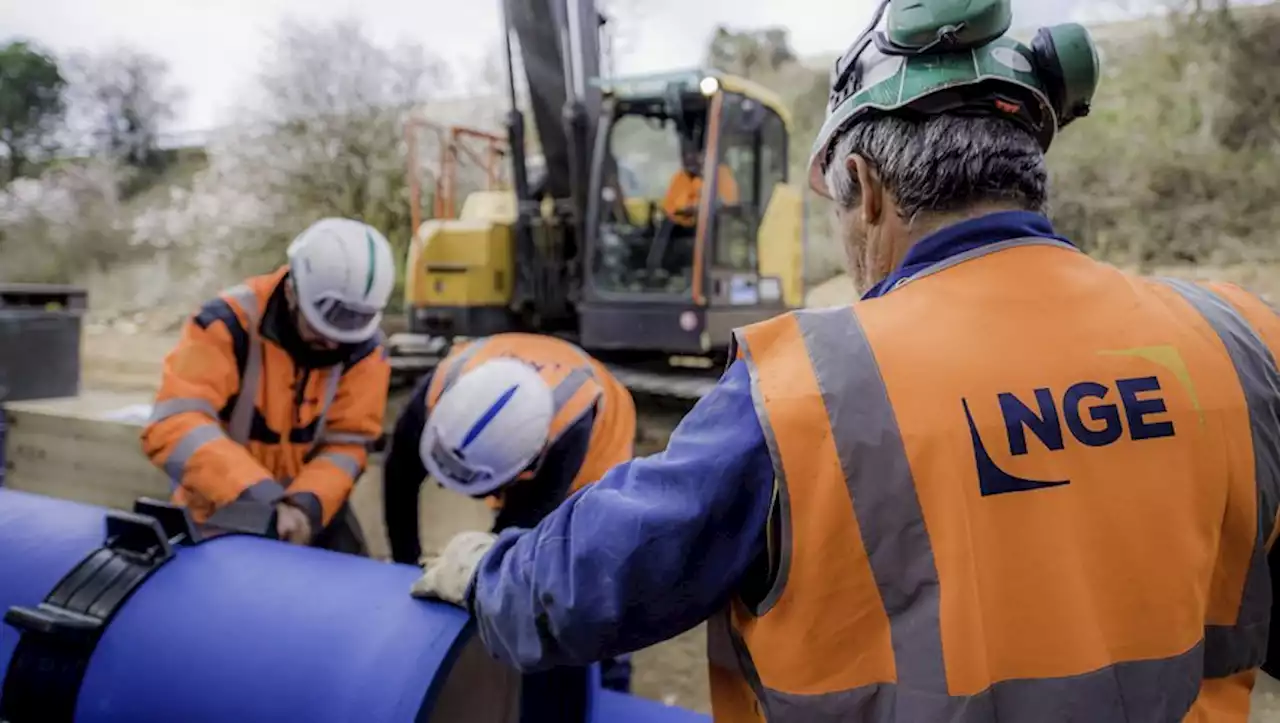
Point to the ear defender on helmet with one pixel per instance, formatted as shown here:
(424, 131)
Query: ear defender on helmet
(1066, 61)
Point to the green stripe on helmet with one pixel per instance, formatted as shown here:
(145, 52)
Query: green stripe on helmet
(368, 279)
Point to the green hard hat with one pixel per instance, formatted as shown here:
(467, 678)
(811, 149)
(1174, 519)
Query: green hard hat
(951, 56)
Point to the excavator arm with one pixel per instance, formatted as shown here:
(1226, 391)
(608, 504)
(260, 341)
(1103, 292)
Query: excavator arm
(558, 44)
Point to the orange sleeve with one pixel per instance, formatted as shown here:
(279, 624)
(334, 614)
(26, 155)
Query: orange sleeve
(353, 424)
(184, 436)
(728, 185)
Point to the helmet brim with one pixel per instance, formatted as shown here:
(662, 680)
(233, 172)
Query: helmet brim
(482, 488)
(335, 334)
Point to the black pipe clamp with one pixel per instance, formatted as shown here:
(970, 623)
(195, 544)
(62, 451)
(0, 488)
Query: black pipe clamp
(59, 635)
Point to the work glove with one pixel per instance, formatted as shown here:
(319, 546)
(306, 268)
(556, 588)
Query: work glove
(292, 524)
(447, 575)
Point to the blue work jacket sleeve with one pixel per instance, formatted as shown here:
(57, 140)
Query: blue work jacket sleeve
(648, 552)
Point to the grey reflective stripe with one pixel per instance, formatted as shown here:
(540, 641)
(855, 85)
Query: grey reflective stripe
(725, 649)
(180, 405)
(457, 364)
(242, 413)
(346, 438)
(333, 375)
(267, 490)
(195, 438)
(981, 251)
(565, 390)
(879, 480)
(1143, 691)
(1230, 649)
(579, 376)
(780, 490)
(569, 386)
(345, 462)
(719, 643)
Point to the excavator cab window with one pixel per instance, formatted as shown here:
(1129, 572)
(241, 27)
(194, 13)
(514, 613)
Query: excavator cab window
(646, 238)
(752, 148)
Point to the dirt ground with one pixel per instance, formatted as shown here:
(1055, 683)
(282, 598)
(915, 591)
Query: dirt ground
(126, 357)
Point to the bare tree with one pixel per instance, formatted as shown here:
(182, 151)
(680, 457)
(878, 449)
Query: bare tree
(325, 127)
(122, 100)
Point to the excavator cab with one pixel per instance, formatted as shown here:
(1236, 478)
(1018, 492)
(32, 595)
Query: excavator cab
(692, 228)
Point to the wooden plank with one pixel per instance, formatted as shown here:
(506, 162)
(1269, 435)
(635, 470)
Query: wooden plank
(73, 449)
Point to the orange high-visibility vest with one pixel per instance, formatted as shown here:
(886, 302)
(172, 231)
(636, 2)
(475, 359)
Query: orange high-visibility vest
(578, 382)
(1022, 487)
(235, 414)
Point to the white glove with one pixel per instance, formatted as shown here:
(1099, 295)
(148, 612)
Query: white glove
(446, 576)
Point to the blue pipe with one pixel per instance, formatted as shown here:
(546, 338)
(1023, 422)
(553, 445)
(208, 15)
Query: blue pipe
(41, 539)
(242, 629)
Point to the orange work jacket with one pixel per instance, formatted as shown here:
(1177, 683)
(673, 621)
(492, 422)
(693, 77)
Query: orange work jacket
(685, 190)
(235, 417)
(579, 384)
(1050, 511)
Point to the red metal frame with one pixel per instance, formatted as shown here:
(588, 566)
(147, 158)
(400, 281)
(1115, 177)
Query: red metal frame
(453, 146)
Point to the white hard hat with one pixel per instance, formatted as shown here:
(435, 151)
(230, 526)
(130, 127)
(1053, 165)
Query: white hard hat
(488, 427)
(343, 273)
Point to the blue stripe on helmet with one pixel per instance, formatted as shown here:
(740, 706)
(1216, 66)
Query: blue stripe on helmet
(488, 416)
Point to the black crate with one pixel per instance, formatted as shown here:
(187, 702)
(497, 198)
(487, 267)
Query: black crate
(40, 341)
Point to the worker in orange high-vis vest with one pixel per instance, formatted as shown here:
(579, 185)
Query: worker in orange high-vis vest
(523, 421)
(1011, 484)
(277, 389)
(684, 191)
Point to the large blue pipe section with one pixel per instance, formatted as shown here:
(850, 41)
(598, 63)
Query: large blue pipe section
(240, 629)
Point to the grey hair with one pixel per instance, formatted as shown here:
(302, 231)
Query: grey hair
(943, 164)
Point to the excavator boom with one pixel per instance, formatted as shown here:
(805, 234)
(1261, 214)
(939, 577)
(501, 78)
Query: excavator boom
(559, 46)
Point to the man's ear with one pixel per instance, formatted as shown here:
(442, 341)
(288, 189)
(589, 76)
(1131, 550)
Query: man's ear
(871, 190)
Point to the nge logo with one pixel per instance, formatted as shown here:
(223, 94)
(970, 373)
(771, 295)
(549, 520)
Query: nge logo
(1045, 420)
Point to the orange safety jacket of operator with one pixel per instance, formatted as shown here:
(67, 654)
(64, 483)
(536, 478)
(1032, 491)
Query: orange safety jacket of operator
(1138, 471)
(685, 190)
(579, 384)
(237, 418)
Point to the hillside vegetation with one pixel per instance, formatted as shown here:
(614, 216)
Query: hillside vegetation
(1178, 163)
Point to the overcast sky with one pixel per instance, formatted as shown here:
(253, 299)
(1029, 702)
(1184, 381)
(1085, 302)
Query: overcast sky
(213, 46)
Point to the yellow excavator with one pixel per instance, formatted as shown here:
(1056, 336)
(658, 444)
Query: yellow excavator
(590, 249)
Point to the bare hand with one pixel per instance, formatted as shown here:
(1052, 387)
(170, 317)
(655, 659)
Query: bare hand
(292, 524)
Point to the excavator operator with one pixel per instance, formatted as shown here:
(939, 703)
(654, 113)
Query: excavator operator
(276, 390)
(685, 189)
(524, 421)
